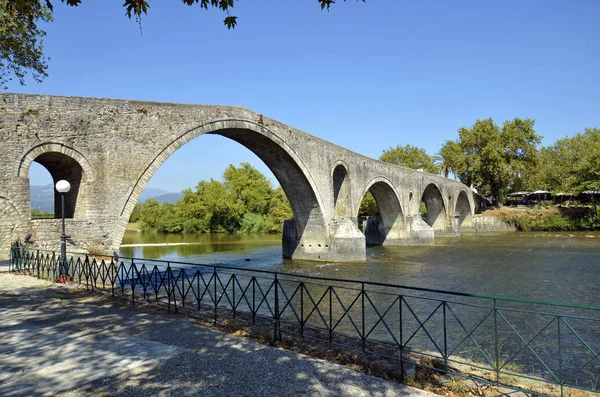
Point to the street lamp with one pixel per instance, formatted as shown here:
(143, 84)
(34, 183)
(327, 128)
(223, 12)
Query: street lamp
(63, 187)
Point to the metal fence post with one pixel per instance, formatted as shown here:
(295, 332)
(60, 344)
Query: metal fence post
(445, 337)
(560, 362)
(276, 307)
(215, 292)
(401, 337)
(496, 343)
(233, 305)
(169, 287)
(362, 337)
(301, 309)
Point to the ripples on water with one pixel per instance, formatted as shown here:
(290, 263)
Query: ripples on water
(563, 267)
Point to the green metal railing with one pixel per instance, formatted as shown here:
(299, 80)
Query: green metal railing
(535, 346)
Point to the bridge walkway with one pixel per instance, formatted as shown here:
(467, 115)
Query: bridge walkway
(57, 340)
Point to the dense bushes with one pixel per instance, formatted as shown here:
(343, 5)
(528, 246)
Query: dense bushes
(245, 201)
(532, 221)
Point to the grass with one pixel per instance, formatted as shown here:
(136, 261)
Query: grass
(96, 251)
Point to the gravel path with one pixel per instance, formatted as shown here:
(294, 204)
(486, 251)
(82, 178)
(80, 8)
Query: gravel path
(58, 340)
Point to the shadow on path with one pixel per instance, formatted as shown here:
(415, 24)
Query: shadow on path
(59, 341)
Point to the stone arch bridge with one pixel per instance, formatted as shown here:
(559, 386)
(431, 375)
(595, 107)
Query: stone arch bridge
(109, 149)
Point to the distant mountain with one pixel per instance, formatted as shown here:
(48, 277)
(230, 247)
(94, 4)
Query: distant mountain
(151, 192)
(169, 197)
(162, 196)
(42, 196)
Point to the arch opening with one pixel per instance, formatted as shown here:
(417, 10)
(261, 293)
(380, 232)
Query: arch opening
(382, 219)
(341, 191)
(60, 166)
(41, 192)
(464, 209)
(433, 209)
(306, 229)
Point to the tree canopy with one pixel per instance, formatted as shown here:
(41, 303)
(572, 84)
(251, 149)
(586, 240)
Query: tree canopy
(245, 201)
(494, 159)
(572, 164)
(21, 44)
(411, 157)
(21, 40)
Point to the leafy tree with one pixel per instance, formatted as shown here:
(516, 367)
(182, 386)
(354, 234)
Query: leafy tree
(135, 214)
(572, 164)
(279, 210)
(251, 189)
(21, 41)
(149, 214)
(245, 202)
(168, 222)
(220, 209)
(368, 206)
(449, 158)
(494, 160)
(21, 47)
(411, 157)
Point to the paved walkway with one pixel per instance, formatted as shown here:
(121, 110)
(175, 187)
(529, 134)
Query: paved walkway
(57, 340)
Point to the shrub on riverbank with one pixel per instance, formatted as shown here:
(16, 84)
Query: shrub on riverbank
(244, 202)
(553, 219)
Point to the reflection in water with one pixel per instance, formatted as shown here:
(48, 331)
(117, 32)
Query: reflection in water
(563, 267)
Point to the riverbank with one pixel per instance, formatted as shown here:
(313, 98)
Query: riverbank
(548, 218)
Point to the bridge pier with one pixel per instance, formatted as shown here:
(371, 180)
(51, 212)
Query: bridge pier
(406, 230)
(344, 243)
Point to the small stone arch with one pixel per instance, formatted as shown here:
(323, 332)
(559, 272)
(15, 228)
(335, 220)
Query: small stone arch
(463, 208)
(436, 208)
(62, 162)
(341, 190)
(390, 219)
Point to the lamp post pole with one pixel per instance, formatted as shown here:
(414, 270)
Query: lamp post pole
(63, 187)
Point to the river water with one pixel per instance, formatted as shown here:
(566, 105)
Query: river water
(558, 267)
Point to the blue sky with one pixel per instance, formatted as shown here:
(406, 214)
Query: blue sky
(366, 76)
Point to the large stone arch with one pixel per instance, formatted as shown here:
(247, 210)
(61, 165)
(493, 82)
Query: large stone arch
(389, 224)
(464, 209)
(436, 217)
(62, 162)
(341, 190)
(290, 171)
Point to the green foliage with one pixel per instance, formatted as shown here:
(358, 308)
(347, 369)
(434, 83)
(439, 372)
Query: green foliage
(494, 160)
(37, 214)
(368, 206)
(572, 164)
(252, 223)
(248, 187)
(21, 41)
(149, 214)
(244, 201)
(411, 157)
(135, 214)
(195, 226)
(554, 222)
(450, 158)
